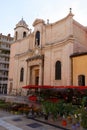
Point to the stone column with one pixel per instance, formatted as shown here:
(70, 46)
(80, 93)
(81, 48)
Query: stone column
(28, 75)
(40, 74)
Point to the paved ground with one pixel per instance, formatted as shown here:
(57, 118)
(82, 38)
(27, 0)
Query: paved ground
(20, 122)
(9, 121)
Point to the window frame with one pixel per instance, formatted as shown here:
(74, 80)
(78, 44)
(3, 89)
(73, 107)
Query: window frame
(81, 80)
(22, 74)
(16, 35)
(24, 34)
(37, 38)
(58, 70)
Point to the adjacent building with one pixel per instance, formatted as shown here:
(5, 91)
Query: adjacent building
(79, 69)
(5, 42)
(42, 56)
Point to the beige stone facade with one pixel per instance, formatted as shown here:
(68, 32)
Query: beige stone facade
(36, 55)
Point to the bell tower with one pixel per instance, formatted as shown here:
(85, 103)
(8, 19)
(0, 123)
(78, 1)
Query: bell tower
(21, 30)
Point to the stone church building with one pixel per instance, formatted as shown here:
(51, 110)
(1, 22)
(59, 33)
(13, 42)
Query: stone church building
(42, 56)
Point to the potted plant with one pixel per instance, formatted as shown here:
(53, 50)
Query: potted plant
(84, 113)
(69, 110)
(81, 114)
(54, 110)
(46, 109)
(50, 108)
(84, 119)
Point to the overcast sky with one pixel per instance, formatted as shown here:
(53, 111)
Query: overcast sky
(11, 12)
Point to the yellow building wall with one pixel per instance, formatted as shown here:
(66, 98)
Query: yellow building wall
(79, 67)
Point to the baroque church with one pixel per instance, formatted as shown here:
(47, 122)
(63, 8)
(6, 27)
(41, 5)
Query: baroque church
(43, 56)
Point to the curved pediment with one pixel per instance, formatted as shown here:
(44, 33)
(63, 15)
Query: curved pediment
(37, 21)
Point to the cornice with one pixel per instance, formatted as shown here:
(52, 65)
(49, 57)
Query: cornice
(61, 42)
(78, 54)
(23, 54)
(35, 57)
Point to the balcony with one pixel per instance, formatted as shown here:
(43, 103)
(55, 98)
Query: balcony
(4, 48)
(5, 69)
(4, 62)
(4, 82)
(6, 41)
(3, 76)
(4, 55)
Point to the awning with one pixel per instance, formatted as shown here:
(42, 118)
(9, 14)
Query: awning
(37, 86)
(53, 87)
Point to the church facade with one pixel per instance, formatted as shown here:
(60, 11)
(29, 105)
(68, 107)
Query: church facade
(42, 57)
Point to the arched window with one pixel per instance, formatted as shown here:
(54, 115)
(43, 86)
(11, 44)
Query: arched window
(58, 70)
(81, 80)
(16, 35)
(24, 34)
(21, 74)
(37, 38)
(10, 88)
